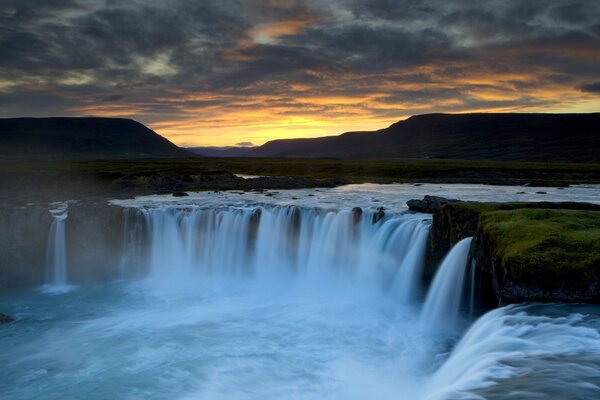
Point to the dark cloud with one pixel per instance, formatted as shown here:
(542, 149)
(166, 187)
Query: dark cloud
(171, 61)
(591, 87)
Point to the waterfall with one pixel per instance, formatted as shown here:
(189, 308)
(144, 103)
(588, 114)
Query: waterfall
(441, 309)
(525, 341)
(56, 254)
(183, 243)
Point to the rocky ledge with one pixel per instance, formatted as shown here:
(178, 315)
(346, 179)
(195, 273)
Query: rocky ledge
(538, 251)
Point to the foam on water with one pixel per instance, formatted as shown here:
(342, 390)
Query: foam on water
(247, 296)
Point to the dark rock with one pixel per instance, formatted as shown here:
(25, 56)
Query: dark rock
(5, 319)
(180, 194)
(94, 231)
(356, 214)
(540, 192)
(23, 240)
(429, 204)
(378, 214)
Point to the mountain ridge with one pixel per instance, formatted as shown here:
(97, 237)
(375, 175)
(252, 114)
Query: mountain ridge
(490, 136)
(82, 138)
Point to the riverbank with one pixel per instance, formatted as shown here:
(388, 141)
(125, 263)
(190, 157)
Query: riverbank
(45, 181)
(521, 252)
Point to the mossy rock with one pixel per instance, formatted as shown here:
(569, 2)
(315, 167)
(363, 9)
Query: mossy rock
(553, 249)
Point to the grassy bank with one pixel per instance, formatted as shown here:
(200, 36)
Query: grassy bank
(352, 170)
(532, 251)
(546, 247)
(408, 171)
(56, 179)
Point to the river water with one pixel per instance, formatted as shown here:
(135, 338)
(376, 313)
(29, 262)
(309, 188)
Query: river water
(294, 295)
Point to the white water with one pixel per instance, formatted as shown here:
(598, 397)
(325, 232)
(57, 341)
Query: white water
(306, 301)
(56, 255)
(442, 305)
(306, 246)
(538, 351)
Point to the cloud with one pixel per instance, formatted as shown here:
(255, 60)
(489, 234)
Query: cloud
(591, 87)
(219, 72)
(245, 144)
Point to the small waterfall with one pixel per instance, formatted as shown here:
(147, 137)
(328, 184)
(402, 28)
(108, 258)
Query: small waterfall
(506, 342)
(441, 309)
(273, 242)
(56, 254)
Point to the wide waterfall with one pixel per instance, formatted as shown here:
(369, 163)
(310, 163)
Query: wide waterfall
(308, 294)
(56, 254)
(172, 245)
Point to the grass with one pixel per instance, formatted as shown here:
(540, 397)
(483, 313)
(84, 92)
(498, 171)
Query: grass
(48, 180)
(550, 247)
(409, 171)
(384, 171)
(541, 244)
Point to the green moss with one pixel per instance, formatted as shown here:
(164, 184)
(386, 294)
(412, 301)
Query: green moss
(550, 247)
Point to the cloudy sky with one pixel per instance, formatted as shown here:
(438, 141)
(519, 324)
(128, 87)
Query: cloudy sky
(222, 72)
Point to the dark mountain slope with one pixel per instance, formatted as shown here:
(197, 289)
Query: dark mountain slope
(82, 139)
(536, 137)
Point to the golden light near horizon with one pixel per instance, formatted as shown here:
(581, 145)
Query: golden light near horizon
(211, 74)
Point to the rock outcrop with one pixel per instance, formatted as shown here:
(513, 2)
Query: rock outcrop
(503, 280)
(429, 204)
(23, 239)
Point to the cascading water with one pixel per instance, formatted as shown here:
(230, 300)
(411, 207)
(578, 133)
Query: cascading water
(244, 296)
(542, 351)
(442, 305)
(56, 254)
(274, 242)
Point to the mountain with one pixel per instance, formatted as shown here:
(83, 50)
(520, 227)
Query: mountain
(226, 151)
(489, 136)
(82, 139)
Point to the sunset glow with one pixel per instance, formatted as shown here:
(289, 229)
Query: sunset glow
(215, 74)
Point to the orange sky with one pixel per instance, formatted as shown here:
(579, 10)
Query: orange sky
(218, 73)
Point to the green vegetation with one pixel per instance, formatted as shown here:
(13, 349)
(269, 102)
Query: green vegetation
(414, 170)
(550, 246)
(40, 180)
(547, 247)
(383, 171)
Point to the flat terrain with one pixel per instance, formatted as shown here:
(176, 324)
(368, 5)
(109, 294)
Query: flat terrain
(59, 180)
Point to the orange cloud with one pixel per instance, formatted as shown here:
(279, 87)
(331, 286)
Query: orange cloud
(268, 33)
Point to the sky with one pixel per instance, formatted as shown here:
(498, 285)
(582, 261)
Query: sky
(239, 72)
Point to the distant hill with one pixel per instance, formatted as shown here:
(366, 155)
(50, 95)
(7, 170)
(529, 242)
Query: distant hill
(82, 139)
(226, 151)
(489, 136)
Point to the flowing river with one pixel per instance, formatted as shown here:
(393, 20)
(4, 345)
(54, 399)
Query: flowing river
(300, 294)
